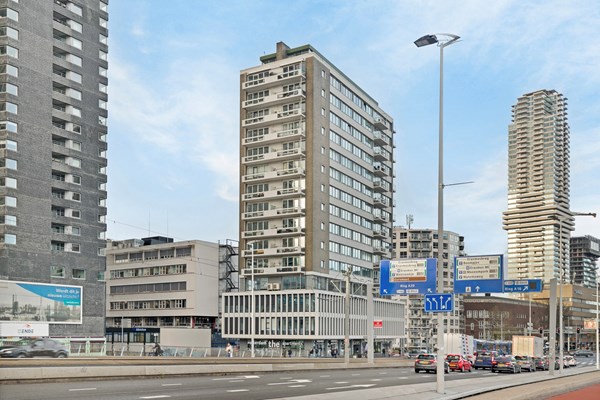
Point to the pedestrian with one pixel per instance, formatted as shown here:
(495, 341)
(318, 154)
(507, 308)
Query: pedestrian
(383, 351)
(289, 352)
(157, 350)
(229, 350)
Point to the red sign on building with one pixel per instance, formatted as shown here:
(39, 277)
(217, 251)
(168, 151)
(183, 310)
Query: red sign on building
(378, 323)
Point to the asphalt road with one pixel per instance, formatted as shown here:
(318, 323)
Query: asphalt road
(247, 387)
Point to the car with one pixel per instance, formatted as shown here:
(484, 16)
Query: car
(457, 362)
(526, 363)
(583, 353)
(483, 361)
(541, 363)
(43, 347)
(506, 363)
(428, 362)
(570, 361)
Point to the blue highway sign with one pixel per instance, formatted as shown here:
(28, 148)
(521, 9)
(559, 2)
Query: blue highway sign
(407, 276)
(478, 274)
(523, 285)
(439, 302)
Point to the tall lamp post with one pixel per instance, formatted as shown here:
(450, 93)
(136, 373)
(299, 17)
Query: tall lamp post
(561, 220)
(252, 304)
(441, 43)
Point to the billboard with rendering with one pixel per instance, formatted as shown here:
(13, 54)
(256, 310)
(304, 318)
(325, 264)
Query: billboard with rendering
(40, 302)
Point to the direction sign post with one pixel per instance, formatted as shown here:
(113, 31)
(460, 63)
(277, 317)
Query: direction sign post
(407, 276)
(439, 302)
(523, 286)
(478, 274)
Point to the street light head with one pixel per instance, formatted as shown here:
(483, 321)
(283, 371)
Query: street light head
(426, 40)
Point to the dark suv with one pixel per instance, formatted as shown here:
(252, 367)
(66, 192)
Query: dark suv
(583, 353)
(35, 348)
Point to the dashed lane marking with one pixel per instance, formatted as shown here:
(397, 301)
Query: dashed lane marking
(237, 390)
(171, 384)
(81, 389)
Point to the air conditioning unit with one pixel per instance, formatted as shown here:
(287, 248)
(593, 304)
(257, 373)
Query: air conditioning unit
(273, 286)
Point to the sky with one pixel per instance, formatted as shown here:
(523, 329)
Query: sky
(174, 102)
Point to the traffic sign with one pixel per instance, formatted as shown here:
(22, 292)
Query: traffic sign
(407, 276)
(478, 274)
(523, 285)
(378, 323)
(439, 302)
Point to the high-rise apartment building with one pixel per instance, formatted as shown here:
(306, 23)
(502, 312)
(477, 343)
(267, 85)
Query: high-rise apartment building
(53, 111)
(316, 173)
(538, 221)
(585, 252)
(423, 243)
(316, 190)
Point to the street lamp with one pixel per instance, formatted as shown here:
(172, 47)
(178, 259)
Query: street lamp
(561, 219)
(447, 41)
(252, 304)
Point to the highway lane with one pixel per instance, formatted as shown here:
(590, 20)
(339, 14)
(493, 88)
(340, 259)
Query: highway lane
(239, 386)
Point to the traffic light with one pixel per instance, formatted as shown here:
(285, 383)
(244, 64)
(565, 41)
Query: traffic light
(541, 331)
(578, 330)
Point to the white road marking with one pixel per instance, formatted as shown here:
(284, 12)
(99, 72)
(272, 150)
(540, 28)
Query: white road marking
(403, 377)
(237, 390)
(164, 396)
(376, 380)
(294, 386)
(236, 381)
(237, 377)
(324, 376)
(81, 389)
(355, 374)
(339, 383)
(291, 381)
(383, 373)
(171, 384)
(349, 387)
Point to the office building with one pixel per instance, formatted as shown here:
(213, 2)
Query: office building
(161, 290)
(538, 221)
(53, 112)
(423, 243)
(585, 251)
(316, 183)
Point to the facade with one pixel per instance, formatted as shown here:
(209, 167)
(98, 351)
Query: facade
(585, 251)
(316, 183)
(155, 284)
(53, 112)
(423, 243)
(499, 318)
(538, 220)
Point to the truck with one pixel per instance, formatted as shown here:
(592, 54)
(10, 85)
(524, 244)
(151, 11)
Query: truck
(532, 346)
(458, 343)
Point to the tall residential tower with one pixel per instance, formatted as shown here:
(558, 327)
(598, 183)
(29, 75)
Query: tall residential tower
(538, 220)
(53, 111)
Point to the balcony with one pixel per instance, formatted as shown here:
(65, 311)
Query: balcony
(273, 232)
(276, 77)
(274, 212)
(381, 139)
(379, 233)
(276, 193)
(379, 185)
(380, 250)
(282, 155)
(380, 217)
(276, 136)
(381, 170)
(274, 99)
(275, 174)
(381, 202)
(381, 154)
(380, 124)
(275, 117)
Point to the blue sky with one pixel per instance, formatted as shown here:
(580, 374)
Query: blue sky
(174, 100)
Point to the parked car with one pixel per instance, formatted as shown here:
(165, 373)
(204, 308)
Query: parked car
(483, 361)
(583, 353)
(541, 363)
(506, 363)
(526, 363)
(457, 362)
(428, 362)
(35, 348)
(570, 361)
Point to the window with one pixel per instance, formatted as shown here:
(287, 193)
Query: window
(75, 249)
(101, 276)
(103, 6)
(8, 182)
(76, 26)
(102, 22)
(9, 50)
(75, 214)
(8, 238)
(57, 272)
(76, 196)
(102, 104)
(9, 88)
(75, 9)
(8, 201)
(76, 179)
(102, 71)
(8, 220)
(103, 39)
(57, 246)
(103, 55)
(9, 13)
(78, 273)
(102, 88)
(76, 231)
(10, 32)
(9, 69)
(8, 145)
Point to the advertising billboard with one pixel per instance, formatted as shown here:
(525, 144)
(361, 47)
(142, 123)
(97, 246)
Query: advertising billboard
(40, 302)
